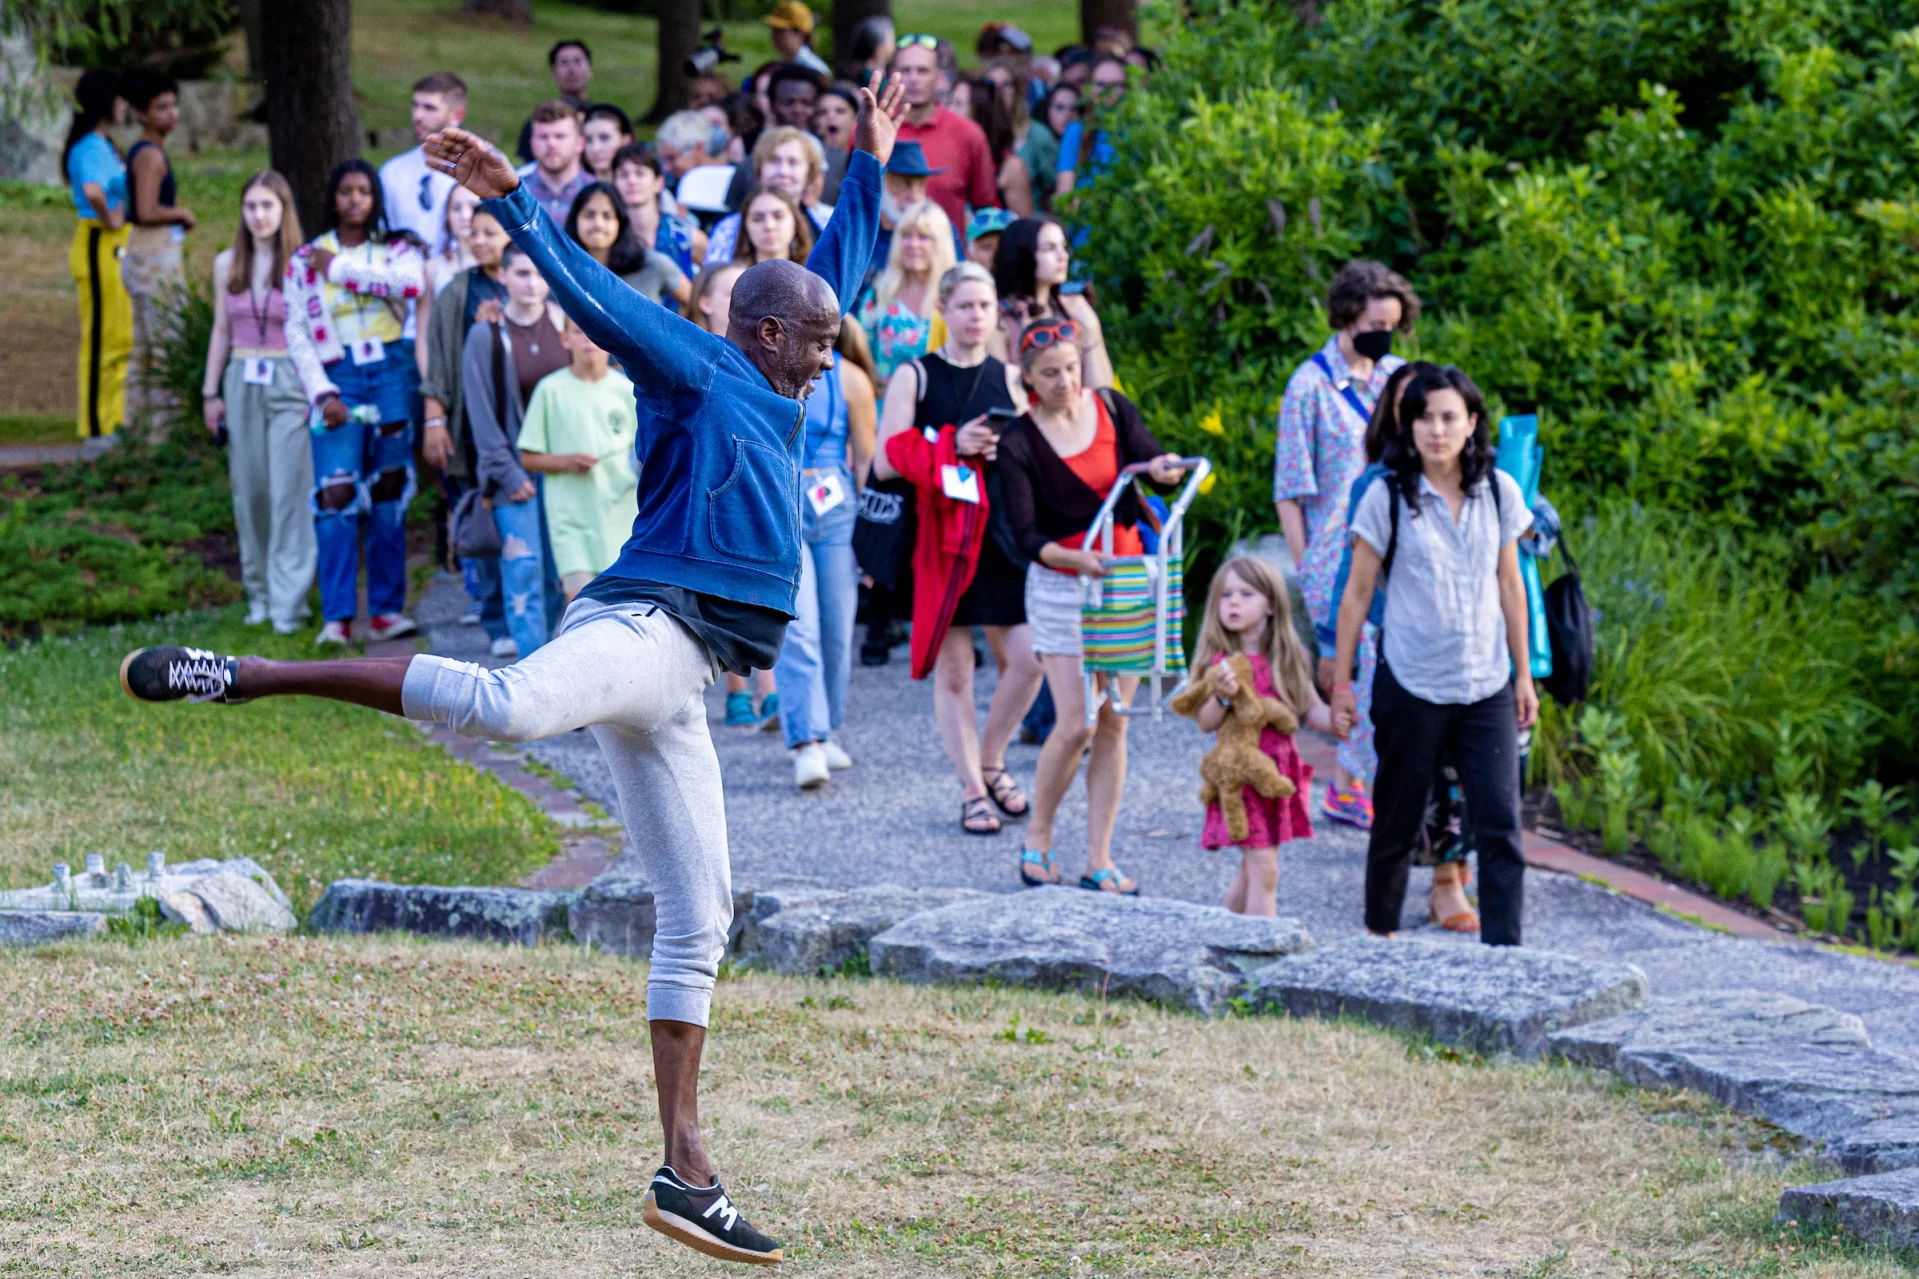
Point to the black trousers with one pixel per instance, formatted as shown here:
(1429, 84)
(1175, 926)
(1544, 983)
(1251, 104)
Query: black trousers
(1481, 740)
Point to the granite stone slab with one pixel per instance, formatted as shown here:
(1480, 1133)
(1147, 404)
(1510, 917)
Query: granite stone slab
(237, 904)
(521, 915)
(1171, 952)
(814, 929)
(615, 913)
(1879, 1209)
(1810, 1070)
(35, 927)
(1495, 999)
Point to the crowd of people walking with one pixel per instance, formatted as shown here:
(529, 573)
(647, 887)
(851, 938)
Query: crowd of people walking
(951, 456)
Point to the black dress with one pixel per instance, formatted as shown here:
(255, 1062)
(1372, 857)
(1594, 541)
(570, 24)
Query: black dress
(955, 396)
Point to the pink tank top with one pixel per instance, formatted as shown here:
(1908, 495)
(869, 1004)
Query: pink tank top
(257, 323)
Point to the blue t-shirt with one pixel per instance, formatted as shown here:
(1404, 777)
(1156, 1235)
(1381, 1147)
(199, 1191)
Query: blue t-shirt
(1102, 158)
(93, 159)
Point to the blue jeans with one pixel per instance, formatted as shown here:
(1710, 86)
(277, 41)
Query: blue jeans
(529, 583)
(363, 481)
(817, 657)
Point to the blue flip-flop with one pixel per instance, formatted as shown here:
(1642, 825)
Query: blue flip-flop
(1096, 882)
(1035, 857)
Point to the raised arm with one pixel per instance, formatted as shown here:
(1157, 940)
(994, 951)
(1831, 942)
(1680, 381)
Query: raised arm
(660, 351)
(845, 248)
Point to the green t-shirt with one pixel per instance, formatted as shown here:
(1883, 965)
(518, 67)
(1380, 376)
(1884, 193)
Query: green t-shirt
(588, 516)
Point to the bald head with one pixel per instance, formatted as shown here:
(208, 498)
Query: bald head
(785, 318)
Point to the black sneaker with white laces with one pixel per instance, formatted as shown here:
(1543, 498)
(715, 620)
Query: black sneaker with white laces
(168, 673)
(703, 1217)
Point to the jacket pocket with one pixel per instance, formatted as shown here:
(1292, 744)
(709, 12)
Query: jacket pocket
(754, 515)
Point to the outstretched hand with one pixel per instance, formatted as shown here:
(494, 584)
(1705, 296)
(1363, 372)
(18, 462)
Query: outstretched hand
(878, 125)
(472, 161)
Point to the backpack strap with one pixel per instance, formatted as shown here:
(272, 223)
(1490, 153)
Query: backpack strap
(1392, 516)
(1353, 399)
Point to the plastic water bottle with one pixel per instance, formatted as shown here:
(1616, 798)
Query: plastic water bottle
(365, 414)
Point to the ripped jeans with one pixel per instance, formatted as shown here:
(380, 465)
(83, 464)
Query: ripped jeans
(363, 479)
(529, 581)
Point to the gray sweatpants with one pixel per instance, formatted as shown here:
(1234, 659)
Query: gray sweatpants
(637, 678)
(270, 464)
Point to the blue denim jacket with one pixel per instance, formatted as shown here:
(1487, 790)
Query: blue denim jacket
(719, 507)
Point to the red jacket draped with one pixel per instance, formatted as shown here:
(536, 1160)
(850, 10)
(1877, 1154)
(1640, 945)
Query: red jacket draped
(946, 548)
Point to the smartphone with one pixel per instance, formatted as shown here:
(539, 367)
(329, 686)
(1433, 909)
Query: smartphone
(997, 418)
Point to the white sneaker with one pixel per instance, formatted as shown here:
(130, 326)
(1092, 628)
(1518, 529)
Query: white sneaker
(470, 618)
(809, 766)
(256, 614)
(340, 633)
(836, 758)
(504, 647)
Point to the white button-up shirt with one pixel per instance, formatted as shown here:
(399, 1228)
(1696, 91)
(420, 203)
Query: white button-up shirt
(415, 197)
(1445, 633)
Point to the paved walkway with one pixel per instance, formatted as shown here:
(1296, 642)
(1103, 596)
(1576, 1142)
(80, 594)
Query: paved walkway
(895, 817)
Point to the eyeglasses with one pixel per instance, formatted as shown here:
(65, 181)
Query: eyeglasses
(1041, 336)
(918, 42)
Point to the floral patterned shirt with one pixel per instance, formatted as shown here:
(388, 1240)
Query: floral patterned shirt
(896, 335)
(1320, 452)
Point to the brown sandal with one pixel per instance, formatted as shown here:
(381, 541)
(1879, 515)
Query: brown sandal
(973, 811)
(1005, 792)
(1465, 921)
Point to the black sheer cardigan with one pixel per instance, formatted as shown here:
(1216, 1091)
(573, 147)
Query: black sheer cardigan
(1044, 500)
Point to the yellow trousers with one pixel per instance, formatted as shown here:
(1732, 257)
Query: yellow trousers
(106, 326)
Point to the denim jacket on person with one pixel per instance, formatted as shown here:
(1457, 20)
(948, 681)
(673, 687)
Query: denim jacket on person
(719, 508)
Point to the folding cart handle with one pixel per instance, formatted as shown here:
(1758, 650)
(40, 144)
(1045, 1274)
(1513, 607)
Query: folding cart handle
(1129, 474)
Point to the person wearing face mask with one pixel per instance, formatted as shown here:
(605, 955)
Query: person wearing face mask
(1320, 451)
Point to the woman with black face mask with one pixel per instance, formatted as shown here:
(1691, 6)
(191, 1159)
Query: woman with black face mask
(1320, 452)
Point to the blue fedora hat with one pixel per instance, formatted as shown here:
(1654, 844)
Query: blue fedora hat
(909, 161)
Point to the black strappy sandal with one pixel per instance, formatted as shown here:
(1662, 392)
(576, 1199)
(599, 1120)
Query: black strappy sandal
(1002, 789)
(972, 810)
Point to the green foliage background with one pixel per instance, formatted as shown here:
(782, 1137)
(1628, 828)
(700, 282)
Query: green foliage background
(1686, 230)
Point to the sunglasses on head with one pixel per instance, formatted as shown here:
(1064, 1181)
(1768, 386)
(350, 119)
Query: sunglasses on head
(920, 41)
(1041, 336)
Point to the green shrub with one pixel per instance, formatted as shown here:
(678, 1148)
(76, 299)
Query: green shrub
(1685, 229)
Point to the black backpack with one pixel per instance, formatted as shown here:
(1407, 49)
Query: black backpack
(1569, 627)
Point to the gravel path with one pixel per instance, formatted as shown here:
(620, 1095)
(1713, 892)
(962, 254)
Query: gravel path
(895, 818)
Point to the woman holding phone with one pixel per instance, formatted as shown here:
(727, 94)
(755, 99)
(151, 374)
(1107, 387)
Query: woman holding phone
(963, 388)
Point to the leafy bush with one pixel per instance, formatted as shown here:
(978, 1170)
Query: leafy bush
(1685, 230)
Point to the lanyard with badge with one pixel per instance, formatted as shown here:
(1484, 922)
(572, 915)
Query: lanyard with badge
(365, 350)
(257, 370)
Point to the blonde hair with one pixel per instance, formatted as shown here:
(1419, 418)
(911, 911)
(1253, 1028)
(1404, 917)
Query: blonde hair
(933, 220)
(967, 272)
(1281, 645)
(773, 139)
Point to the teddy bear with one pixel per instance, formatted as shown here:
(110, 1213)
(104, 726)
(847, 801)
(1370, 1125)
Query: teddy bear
(1236, 759)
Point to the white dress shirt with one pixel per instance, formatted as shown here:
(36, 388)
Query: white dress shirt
(415, 197)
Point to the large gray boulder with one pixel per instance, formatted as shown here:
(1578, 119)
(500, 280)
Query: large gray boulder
(1880, 1209)
(35, 927)
(1172, 952)
(521, 915)
(1497, 1000)
(1808, 1069)
(810, 930)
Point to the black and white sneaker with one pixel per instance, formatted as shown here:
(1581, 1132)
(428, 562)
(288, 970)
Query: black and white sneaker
(703, 1217)
(168, 673)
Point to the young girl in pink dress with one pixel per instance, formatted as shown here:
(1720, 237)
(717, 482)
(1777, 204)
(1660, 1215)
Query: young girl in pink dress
(1248, 611)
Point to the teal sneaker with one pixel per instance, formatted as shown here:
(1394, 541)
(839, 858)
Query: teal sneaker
(770, 713)
(739, 710)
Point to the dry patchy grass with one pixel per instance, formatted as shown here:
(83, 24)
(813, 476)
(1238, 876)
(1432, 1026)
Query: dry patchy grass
(388, 1106)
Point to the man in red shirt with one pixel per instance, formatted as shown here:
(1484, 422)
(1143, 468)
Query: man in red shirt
(951, 142)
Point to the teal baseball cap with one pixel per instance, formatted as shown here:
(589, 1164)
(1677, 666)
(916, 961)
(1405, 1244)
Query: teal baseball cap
(988, 222)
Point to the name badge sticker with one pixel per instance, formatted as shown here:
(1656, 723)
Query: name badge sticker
(256, 371)
(368, 351)
(961, 483)
(825, 493)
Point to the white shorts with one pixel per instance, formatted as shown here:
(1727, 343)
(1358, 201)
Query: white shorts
(1052, 610)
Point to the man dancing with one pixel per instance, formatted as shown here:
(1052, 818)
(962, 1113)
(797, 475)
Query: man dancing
(706, 582)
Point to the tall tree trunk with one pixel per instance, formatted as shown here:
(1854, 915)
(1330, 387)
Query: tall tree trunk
(679, 40)
(848, 14)
(253, 24)
(1122, 15)
(311, 124)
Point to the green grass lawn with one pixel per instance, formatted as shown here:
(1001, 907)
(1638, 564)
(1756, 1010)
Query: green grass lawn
(347, 1107)
(36, 428)
(314, 791)
(395, 42)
